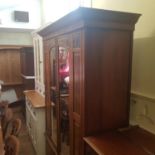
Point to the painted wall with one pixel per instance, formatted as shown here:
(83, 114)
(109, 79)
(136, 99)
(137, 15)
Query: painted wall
(18, 33)
(30, 6)
(143, 72)
(14, 38)
(55, 9)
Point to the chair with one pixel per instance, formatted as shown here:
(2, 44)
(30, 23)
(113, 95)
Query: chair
(16, 127)
(64, 121)
(11, 145)
(3, 107)
(6, 119)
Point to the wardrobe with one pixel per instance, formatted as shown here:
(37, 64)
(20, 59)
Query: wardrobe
(87, 60)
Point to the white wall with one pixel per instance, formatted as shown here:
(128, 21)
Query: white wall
(12, 38)
(31, 6)
(55, 9)
(18, 33)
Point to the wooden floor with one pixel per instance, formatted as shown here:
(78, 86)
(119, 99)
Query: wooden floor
(26, 147)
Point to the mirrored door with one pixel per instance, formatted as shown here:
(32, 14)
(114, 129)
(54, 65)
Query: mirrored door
(55, 97)
(59, 98)
(64, 98)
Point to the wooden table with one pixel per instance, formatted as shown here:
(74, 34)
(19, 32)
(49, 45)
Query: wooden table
(130, 142)
(1, 142)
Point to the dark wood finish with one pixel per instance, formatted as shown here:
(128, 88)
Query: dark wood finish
(27, 61)
(13, 127)
(1, 141)
(10, 69)
(141, 138)
(27, 67)
(113, 143)
(130, 141)
(10, 66)
(16, 126)
(99, 43)
(111, 68)
(28, 83)
(12, 145)
(6, 119)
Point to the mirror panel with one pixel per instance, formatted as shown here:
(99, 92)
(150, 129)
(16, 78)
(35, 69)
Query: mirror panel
(54, 96)
(64, 98)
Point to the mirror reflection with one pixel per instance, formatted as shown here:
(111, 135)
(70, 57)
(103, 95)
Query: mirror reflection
(63, 70)
(54, 99)
(64, 98)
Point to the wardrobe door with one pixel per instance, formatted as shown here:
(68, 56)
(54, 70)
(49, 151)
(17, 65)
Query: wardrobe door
(76, 91)
(55, 100)
(52, 98)
(64, 83)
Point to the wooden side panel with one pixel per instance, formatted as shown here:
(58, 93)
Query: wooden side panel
(107, 80)
(116, 82)
(93, 88)
(10, 66)
(76, 139)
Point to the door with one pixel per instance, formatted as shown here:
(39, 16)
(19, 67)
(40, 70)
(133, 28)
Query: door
(57, 96)
(52, 99)
(64, 80)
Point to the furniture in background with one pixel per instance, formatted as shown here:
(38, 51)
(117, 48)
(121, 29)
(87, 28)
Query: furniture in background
(3, 108)
(35, 104)
(1, 141)
(16, 127)
(88, 55)
(27, 67)
(35, 120)
(133, 140)
(16, 61)
(5, 120)
(10, 69)
(13, 127)
(12, 145)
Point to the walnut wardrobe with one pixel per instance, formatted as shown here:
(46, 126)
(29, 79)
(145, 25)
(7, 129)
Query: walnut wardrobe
(88, 56)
